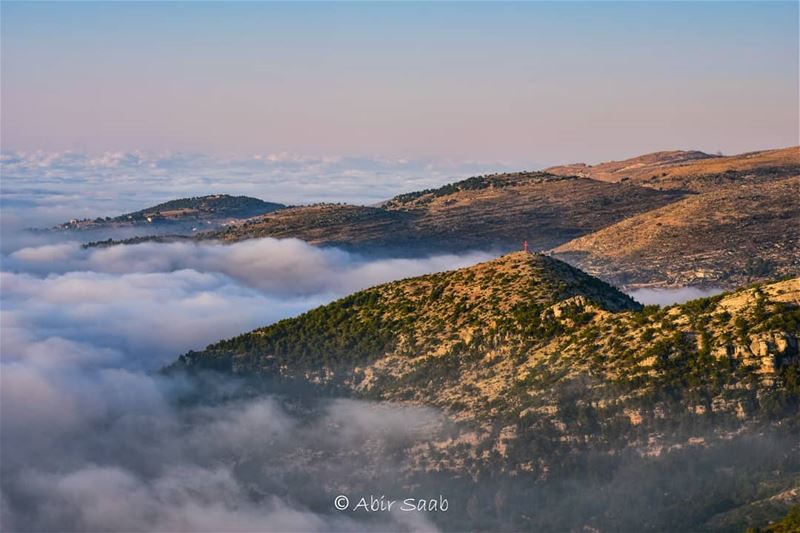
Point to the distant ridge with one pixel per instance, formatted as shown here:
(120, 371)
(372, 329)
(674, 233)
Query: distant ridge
(224, 205)
(497, 211)
(210, 210)
(691, 170)
(645, 221)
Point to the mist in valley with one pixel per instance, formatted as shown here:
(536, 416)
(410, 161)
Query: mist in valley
(672, 295)
(648, 142)
(94, 437)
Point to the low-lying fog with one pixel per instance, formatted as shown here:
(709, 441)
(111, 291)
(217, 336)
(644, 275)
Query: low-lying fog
(671, 296)
(94, 440)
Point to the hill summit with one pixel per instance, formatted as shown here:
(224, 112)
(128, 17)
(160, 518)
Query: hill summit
(499, 336)
(544, 372)
(519, 294)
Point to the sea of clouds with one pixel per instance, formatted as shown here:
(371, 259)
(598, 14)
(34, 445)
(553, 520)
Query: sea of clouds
(42, 188)
(93, 437)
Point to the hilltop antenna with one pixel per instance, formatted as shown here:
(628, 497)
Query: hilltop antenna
(525, 246)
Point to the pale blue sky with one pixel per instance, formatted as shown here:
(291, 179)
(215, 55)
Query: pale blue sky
(518, 82)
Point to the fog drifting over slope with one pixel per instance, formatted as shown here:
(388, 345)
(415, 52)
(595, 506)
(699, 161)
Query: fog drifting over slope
(92, 440)
(286, 267)
(672, 296)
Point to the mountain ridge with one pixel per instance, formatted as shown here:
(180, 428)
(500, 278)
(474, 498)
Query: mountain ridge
(691, 170)
(518, 311)
(573, 217)
(553, 383)
(497, 210)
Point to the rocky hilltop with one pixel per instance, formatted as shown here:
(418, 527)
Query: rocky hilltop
(727, 237)
(492, 331)
(554, 375)
(691, 170)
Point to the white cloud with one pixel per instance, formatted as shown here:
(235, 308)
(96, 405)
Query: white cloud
(44, 188)
(153, 315)
(93, 440)
(276, 266)
(672, 296)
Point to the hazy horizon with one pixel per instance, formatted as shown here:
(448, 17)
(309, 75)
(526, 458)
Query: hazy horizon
(522, 85)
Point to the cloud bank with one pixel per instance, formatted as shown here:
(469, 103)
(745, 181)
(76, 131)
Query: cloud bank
(144, 304)
(40, 188)
(93, 440)
(123, 456)
(275, 266)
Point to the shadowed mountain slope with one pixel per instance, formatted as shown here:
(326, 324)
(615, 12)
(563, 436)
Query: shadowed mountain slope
(488, 211)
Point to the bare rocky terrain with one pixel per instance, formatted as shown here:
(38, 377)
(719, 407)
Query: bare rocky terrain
(691, 170)
(729, 237)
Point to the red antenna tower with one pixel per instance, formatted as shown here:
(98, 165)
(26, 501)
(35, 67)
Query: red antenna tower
(525, 246)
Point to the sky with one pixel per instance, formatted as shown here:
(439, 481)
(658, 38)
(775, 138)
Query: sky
(521, 84)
